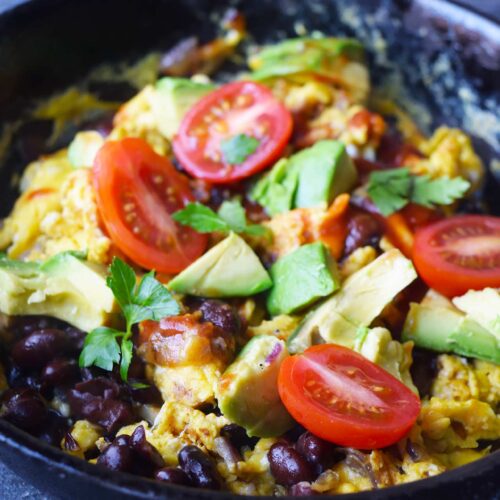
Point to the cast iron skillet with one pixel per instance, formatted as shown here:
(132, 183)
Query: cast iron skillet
(447, 59)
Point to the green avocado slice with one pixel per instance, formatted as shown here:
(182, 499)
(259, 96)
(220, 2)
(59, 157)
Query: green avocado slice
(302, 277)
(229, 269)
(248, 390)
(445, 329)
(361, 298)
(64, 287)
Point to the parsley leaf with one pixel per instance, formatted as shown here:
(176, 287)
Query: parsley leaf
(231, 217)
(238, 148)
(442, 191)
(147, 300)
(393, 189)
(200, 218)
(389, 189)
(233, 214)
(101, 348)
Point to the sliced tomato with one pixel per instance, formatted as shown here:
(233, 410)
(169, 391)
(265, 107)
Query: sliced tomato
(459, 253)
(340, 396)
(137, 191)
(236, 108)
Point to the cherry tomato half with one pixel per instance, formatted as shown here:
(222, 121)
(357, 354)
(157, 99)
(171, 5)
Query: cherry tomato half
(236, 108)
(459, 253)
(340, 396)
(137, 191)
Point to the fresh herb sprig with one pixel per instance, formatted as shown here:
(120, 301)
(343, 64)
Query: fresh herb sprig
(147, 300)
(238, 148)
(393, 189)
(230, 217)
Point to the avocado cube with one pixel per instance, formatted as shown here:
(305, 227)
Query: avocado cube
(229, 269)
(248, 390)
(302, 277)
(325, 171)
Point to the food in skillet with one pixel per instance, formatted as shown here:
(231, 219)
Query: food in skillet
(261, 286)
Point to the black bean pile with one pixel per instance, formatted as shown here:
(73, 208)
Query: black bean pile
(296, 465)
(41, 367)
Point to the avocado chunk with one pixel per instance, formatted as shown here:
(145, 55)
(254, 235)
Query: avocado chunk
(482, 306)
(64, 287)
(248, 390)
(229, 269)
(310, 178)
(361, 298)
(299, 55)
(302, 277)
(325, 171)
(84, 147)
(173, 98)
(445, 329)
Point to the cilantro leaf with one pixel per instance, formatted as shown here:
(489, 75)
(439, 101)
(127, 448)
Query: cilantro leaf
(393, 189)
(147, 300)
(152, 295)
(442, 191)
(238, 148)
(127, 349)
(151, 301)
(389, 189)
(121, 280)
(231, 217)
(200, 218)
(101, 348)
(233, 214)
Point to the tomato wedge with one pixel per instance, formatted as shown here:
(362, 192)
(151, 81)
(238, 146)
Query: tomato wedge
(136, 191)
(459, 253)
(340, 396)
(236, 108)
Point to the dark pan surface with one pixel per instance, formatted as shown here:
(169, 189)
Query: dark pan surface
(441, 62)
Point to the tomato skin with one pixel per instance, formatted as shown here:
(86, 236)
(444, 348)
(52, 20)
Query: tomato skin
(125, 174)
(359, 429)
(191, 150)
(443, 264)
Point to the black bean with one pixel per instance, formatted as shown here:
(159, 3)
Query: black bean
(319, 453)
(25, 408)
(97, 401)
(28, 324)
(302, 489)
(238, 436)
(220, 314)
(172, 475)
(18, 378)
(75, 339)
(137, 368)
(145, 450)
(38, 348)
(54, 429)
(199, 467)
(149, 395)
(117, 457)
(287, 465)
(60, 372)
(122, 440)
(363, 229)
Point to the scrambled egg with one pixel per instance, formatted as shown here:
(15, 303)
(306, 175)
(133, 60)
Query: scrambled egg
(136, 118)
(40, 186)
(281, 326)
(178, 425)
(449, 153)
(190, 385)
(462, 380)
(358, 259)
(85, 436)
(56, 212)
